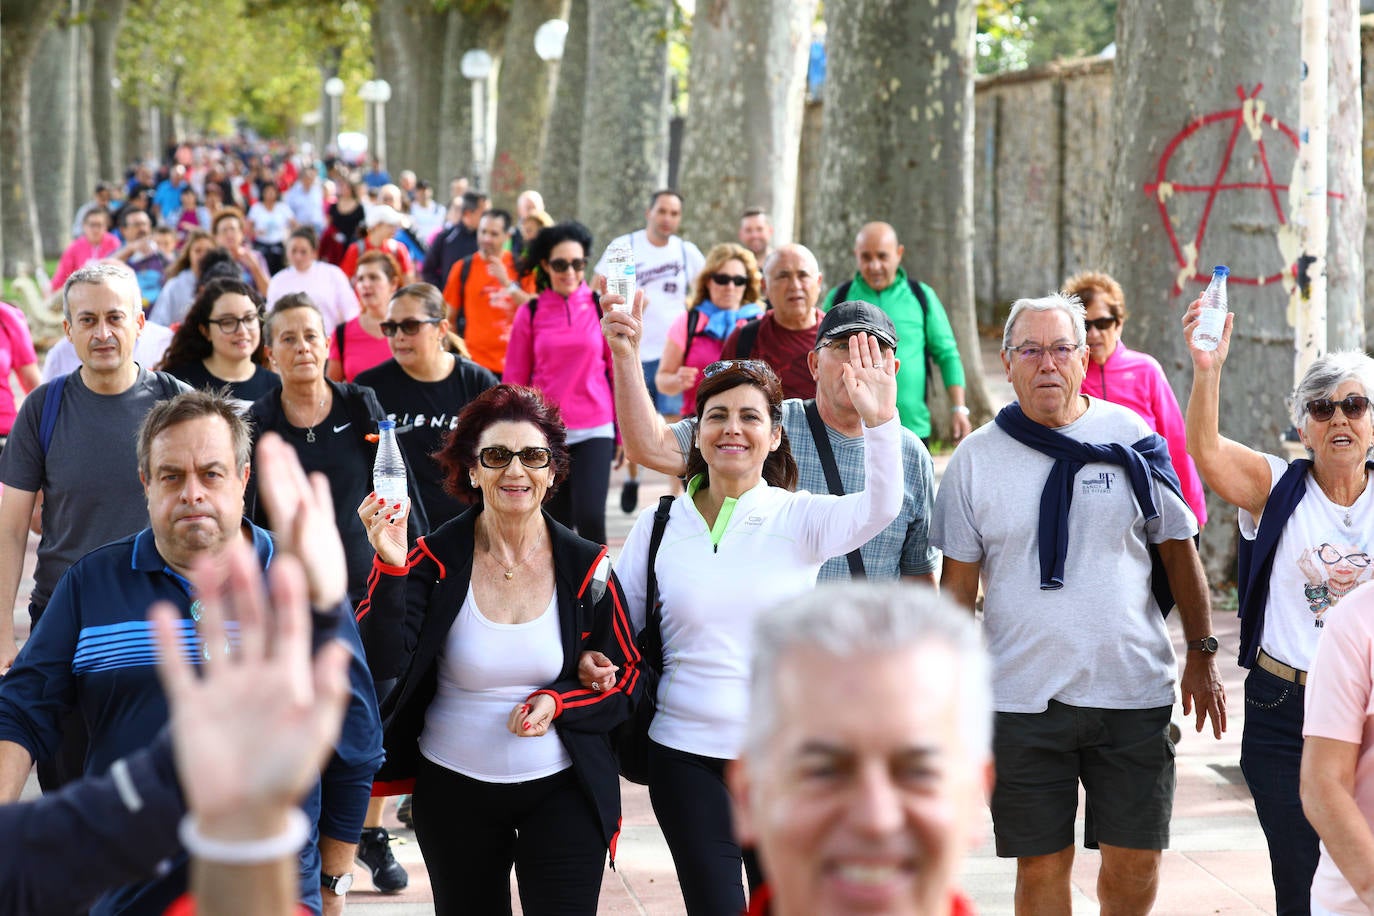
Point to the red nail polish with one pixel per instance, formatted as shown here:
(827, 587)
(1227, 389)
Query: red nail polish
(527, 725)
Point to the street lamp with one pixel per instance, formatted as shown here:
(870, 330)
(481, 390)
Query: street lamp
(383, 96)
(476, 66)
(549, 39)
(334, 88)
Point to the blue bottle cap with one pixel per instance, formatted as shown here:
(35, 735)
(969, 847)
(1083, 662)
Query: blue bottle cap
(386, 424)
(1222, 271)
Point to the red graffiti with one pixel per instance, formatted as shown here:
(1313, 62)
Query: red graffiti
(1235, 117)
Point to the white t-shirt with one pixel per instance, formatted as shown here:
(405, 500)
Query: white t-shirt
(1318, 560)
(1100, 641)
(666, 275)
(485, 670)
(270, 226)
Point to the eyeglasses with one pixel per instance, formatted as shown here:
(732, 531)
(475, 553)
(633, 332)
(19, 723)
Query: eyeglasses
(1033, 353)
(498, 456)
(558, 265)
(728, 279)
(229, 324)
(411, 326)
(1103, 324)
(1324, 409)
(1331, 555)
(757, 366)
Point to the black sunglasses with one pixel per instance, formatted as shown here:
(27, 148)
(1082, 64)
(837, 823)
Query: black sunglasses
(727, 279)
(411, 326)
(1323, 409)
(558, 265)
(1102, 324)
(498, 456)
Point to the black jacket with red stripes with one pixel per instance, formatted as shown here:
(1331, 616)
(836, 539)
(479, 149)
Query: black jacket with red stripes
(405, 620)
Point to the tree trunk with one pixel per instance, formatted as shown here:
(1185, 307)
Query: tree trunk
(462, 33)
(85, 171)
(897, 146)
(743, 132)
(1205, 98)
(1345, 293)
(561, 150)
(106, 19)
(409, 46)
(624, 154)
(522, 95)
(22, 24)
(53, 93)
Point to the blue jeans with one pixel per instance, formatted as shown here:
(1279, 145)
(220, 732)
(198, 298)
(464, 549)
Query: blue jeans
(666, 404)
(1270, 758)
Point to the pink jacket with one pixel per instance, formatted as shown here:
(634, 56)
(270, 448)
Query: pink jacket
(556, 346)
(81, 252)
(1136, 380)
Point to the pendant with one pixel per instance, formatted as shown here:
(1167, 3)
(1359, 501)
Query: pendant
(510, 574)
(310, 434)
(1347, 518)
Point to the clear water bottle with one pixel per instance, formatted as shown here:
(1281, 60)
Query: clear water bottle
(389, 469)
(1212, 319)
(620, 271)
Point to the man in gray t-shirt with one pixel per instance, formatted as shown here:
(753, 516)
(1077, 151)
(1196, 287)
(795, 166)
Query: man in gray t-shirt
(1083, 665)
(87, 472)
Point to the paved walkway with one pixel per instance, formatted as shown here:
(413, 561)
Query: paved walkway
(1217, 863)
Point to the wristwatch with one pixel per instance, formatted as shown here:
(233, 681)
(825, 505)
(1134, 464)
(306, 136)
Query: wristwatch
(1207, 645)
(338, 885)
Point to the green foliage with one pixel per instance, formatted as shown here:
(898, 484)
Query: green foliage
(219, 63)
(1013, 34)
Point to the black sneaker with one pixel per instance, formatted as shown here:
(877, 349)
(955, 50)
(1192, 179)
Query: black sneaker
(374, 854)
(403, 811)
(629, 496)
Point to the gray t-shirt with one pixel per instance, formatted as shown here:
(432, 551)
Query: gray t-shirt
(1100, 641)
(903, 547)
(89, 477)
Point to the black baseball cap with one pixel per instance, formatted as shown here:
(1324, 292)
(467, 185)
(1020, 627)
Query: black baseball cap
(854, 316)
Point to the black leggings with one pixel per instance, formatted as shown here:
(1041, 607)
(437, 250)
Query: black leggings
(580, 502)
(470, 833)
(692, 805)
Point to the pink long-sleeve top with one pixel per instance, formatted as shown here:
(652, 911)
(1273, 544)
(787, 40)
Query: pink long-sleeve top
(558, 348)
(1136, 380)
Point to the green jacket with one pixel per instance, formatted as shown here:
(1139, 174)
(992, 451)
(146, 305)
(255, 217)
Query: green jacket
(915, 338)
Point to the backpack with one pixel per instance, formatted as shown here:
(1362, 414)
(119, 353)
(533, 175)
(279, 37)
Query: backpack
(52, 403)
(748, 336)
(460, 319)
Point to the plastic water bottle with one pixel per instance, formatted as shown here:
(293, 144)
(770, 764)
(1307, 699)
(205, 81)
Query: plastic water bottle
(620, 271)
(389, 469)
(1212, 319)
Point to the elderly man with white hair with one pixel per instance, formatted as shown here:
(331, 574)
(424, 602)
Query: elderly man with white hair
(1058, 508)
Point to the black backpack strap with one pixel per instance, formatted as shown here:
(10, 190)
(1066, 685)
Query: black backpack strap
(841, 293)
(339, 339)
(748, 336)
(692, 322)
(460, 319)
(52, 403)
(652, 638)
(832, 476)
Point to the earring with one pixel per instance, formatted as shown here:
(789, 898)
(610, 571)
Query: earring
(473, 481)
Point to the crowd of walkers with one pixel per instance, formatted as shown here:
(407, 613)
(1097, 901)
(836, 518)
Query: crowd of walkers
(503, 674)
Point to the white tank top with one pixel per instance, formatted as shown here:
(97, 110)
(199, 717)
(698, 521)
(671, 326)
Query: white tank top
(486, 669)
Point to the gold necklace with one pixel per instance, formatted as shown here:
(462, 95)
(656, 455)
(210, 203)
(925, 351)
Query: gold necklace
(510, 570)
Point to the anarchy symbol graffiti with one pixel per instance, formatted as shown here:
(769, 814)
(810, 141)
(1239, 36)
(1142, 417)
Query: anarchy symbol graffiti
(1248, 118)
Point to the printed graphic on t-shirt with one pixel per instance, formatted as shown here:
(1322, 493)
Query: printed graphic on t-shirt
(1332, 570)
(1101, 482)
(408, 422)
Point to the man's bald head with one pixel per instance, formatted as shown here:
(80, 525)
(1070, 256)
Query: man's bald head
(878, 254)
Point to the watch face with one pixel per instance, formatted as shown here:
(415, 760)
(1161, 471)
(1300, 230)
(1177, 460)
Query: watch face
(345, 883)
(1210, 644)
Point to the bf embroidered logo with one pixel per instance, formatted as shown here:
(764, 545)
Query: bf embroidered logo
(1102, 483)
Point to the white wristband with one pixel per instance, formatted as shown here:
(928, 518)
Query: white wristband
(246, 852)
(959, 408)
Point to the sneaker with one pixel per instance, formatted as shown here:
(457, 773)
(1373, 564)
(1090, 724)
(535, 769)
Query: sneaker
(403, 811)
(374, 854)
(629, 496)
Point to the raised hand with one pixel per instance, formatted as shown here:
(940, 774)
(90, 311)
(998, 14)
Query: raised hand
(871, 380)
(386, 528)
(623, 329)
(1206, 360)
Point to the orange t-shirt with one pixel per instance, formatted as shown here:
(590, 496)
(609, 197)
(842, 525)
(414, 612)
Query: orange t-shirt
(486, 307)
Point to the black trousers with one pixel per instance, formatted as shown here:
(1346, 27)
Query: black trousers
(580, 502)
(471, 832)
(692, 805)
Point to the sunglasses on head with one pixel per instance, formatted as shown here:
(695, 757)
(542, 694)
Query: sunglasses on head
(410, 326)
(727, 279)
(756, 366)
(498, 456)
(1323, 409)
(558, 265)
(1102, 324)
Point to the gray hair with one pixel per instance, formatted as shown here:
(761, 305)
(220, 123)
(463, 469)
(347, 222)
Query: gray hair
(114, 274)
(805, 252)
(188, 406)
(1069, 305)
(1326, 375)
(854, 620)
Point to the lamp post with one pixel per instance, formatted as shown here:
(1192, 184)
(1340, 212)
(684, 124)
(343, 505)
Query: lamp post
(334, 88)
(383, 96)
(476, 66)
(549, 39)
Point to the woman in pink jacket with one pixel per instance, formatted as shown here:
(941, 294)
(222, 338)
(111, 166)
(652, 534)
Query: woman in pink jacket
(556, 346)
(1131, 379)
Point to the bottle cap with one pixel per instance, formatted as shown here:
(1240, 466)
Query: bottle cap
(386, 424)
(1222, 271)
